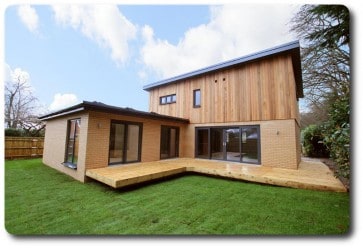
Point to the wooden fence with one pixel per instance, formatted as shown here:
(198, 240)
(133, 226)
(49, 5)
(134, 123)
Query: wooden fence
(23, 147)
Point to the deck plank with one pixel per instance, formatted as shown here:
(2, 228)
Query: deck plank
(309, 175)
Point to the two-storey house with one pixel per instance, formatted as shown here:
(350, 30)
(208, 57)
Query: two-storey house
(244, 110)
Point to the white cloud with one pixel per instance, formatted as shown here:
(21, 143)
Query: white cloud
(233, 31)
(7, 73)
(103, 24)
(29, 17)
(19, 75)
(61, 101)
(16, 75)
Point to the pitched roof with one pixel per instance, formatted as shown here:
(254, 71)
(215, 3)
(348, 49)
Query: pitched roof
(292, 48)
(99, 106)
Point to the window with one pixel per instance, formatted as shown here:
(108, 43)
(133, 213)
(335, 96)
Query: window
(196, 98)
(125, 142)
(168, 99)
(72, 146)
(169, 142)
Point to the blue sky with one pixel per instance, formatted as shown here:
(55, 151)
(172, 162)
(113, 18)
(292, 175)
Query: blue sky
(107, 53)
(61, 60)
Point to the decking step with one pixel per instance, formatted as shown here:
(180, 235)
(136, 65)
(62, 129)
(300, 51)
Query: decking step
(310, 175)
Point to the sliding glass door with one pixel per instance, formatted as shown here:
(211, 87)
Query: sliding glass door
(169, 142)
(202, 143)
(125, 142)
(239, 144)
(133, 143)
(250, 145)
(217, 143)
(232, 144)
(225, 143)
(117, 143)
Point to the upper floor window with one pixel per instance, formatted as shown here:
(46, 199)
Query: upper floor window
(196, 98)
(168, 99)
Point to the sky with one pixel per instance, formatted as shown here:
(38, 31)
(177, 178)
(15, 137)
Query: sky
(107, 53)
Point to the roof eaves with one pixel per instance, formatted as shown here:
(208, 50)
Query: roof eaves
(248, 58)
(101, 107)
(97, 106)
(73, 109)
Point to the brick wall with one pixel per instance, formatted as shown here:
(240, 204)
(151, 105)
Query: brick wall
(298, 142)
(99, 135)
(279, 141)
(94, 141)
(55, 145)
(280, 146)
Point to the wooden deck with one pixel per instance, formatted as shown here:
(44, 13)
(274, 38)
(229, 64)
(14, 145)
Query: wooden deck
(310, 175)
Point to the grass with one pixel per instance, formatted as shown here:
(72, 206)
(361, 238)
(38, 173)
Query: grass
(40, 200)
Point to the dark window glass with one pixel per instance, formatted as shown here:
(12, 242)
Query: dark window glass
(232, 147)
(132, 151)
(117, 143)
(203, 143)
(72, 147)
(168, 99)
(217, 143)
(237, 143)
(125, 142)
(169, 142)
(249, 143)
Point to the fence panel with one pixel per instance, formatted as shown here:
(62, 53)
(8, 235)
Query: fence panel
(23, 147)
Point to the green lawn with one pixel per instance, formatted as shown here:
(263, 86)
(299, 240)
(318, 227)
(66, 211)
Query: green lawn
(40, 200)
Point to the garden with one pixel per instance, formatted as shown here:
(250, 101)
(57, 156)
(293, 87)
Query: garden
(42, 201)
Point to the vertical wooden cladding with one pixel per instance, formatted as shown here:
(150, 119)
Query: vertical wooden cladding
(262, 90)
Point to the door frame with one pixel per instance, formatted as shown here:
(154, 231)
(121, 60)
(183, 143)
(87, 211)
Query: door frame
(125, 139)
(177, 132)
(224, 146)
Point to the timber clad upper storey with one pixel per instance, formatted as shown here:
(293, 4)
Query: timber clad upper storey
(257, 87)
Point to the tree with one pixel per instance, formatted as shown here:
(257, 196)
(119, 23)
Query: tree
(21, 104)
(324, 31)
(337, 135)
(312, 141)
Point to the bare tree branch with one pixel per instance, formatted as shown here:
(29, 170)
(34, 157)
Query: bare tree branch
(20, 105)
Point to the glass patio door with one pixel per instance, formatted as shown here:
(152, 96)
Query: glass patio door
(125, 143)
(169, 142)
(250, 145)
(217, 143)
(225, 144)
(232, 144)
(202, 143)
(236, 143)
